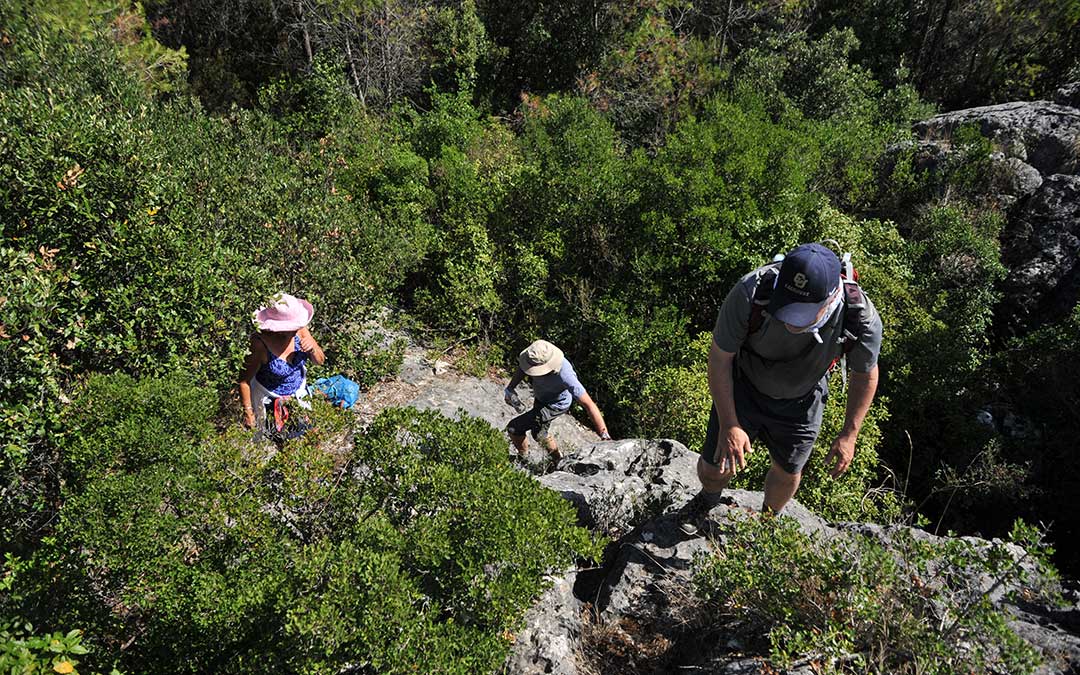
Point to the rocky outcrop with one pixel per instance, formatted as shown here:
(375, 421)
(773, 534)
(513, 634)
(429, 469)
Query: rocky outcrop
(1069, 95)
(616, 484)
(1039, 133)
(551, 638)
(641, 601)
(1038, 159)
(1040, 248)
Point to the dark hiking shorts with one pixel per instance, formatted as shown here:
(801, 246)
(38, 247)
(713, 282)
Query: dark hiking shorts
(788, 427)
(537, 421)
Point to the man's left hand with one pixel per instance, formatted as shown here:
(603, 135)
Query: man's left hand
(839, 457)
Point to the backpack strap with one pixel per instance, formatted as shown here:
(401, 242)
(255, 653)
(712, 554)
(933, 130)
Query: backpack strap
(760, 300)
(854, 311)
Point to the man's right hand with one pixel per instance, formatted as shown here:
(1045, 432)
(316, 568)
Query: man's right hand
(731, 450)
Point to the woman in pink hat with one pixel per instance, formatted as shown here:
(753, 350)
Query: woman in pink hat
(276, 364)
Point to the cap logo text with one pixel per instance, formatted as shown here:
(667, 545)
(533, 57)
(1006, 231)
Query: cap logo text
(800, 280)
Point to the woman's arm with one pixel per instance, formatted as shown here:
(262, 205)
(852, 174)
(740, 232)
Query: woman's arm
(309, 345)
(252, 362)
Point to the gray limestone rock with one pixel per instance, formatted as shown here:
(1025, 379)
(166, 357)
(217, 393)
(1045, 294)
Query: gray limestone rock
(1038, 156)
(617, 484)
(644, 592)
(1022, 179)
(1069, 95)
(1047, 131)
(549, 641)
(1040, 247)
(655, 563)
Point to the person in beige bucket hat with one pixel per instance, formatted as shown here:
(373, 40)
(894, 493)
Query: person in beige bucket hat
(278, 352)
(555, 387)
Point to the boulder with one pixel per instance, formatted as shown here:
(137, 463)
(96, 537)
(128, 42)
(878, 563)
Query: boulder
(1036, 185)
(1069, 95)
(1041, 133)
(617, 484)
(549, 641)
(1021, 179)
(1040, 245)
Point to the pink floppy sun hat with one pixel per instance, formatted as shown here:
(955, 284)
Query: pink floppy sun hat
(284, 313)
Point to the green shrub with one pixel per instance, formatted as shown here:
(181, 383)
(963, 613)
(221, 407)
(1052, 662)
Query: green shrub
(940, 377)
(22, 651)
(478, 532)
(853, 605)
(674, 402)
(365, 355)
(182, 550)
(137, 235)
(119, 424)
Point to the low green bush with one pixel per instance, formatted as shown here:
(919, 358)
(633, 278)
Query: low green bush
(26, 652)
(850, 604)
(181, 549)
(120, 424)
(675, 400)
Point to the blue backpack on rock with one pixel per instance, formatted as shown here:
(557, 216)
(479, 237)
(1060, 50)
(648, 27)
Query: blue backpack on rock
(339, 390)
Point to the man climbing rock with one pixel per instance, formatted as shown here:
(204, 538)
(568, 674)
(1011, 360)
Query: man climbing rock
(555, 387)
(778, 334)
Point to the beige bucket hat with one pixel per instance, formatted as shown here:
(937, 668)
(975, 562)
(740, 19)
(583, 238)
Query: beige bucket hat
(540, 358)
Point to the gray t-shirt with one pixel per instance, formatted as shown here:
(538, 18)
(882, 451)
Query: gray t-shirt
(782, 364)
(558, 389)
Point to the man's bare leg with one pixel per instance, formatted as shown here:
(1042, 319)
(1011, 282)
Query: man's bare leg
(713, 483)
(520, 443)
(552, 447)
(780, 487)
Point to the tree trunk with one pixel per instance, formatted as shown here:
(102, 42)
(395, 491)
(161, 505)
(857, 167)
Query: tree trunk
(935, 44)
(304, 30)
(352, 71)
(724, 32)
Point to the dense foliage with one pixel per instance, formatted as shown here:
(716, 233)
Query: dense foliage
(416, 547)
(598, 174)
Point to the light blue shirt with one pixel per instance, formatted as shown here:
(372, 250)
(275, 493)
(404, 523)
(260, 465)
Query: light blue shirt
(558, 389)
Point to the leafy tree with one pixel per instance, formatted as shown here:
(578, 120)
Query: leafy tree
(964, 53)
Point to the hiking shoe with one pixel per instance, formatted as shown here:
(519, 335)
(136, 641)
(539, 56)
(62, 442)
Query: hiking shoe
(694, 514)
(552, 463)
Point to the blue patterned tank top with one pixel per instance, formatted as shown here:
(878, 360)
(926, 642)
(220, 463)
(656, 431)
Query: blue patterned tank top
(281, 377)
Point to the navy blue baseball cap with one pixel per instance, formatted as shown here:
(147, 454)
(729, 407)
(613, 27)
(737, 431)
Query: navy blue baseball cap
(809, 276)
